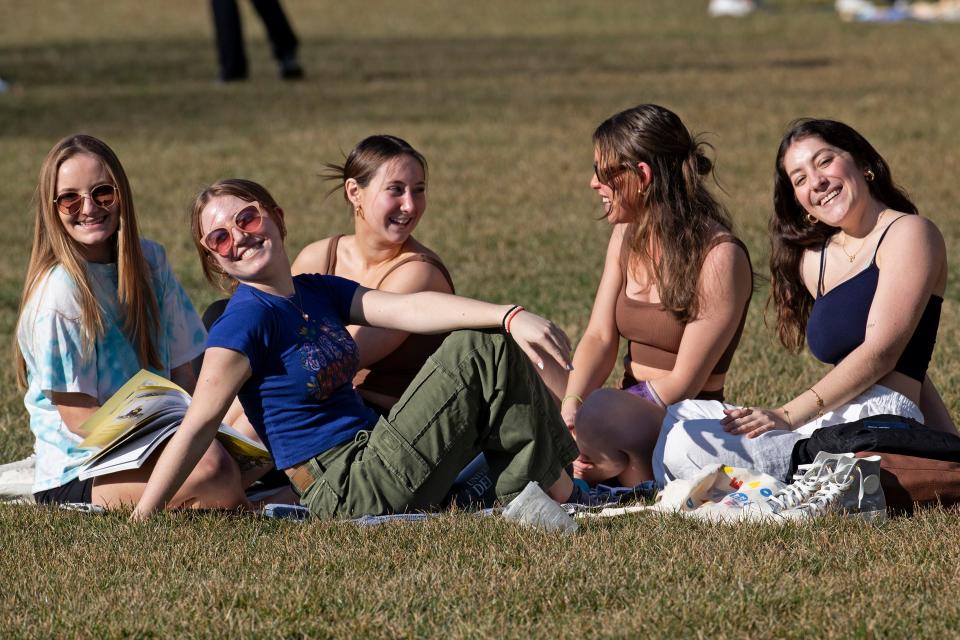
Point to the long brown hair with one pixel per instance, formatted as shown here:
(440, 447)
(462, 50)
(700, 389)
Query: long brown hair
(246, 190)
(676, 216)
(52, 246)
(791, 233)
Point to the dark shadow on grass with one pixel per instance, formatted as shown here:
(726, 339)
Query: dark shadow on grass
(166, 87)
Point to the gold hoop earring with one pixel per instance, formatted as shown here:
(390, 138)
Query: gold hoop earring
(868, 175)
(359, 212)
(812, 219)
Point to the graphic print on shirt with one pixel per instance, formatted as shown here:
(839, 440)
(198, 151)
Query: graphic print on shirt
(330, 354)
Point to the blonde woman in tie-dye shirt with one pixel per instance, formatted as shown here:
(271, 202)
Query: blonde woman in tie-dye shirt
(99, 304)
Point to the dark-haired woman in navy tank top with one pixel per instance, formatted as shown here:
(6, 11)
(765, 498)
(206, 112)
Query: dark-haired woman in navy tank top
(858, 275)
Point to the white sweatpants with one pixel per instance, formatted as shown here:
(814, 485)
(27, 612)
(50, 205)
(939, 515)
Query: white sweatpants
(691, 436)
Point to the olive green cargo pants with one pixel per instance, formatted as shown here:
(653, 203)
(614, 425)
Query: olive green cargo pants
(477, 393)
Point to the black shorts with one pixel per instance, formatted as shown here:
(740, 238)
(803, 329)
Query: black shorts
(73, 491)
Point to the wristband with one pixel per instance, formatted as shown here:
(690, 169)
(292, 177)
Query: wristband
(572, 396)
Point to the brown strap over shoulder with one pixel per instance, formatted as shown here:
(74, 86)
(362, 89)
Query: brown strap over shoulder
(332, 255)
(419, 257)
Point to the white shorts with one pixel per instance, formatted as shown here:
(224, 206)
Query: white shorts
(691, 436)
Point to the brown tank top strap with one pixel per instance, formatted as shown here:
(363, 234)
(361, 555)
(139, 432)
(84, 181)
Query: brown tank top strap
(419, 257)
(332, 254)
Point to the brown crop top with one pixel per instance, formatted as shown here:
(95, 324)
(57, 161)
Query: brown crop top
(653, 333)
(391, 375)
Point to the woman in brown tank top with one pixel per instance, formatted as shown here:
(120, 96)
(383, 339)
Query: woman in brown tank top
(676, 284)
(384, 181)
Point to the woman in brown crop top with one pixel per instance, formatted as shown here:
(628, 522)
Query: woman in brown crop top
(676, 284)
(384, 181)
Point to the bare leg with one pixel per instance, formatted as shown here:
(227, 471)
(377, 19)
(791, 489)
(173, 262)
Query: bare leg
(616, 434)
(935, 413)
(215, 483)
(561, 489)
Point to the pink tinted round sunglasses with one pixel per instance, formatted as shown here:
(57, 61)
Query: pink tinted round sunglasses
(248, 220)
(70, 203)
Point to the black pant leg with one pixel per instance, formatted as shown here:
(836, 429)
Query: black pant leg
(229, 37)
(282, 39)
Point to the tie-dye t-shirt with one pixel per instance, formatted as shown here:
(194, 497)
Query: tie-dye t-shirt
(300, 396)
(58, 358)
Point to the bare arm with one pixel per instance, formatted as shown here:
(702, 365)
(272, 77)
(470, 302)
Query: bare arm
(224, 372)
(724, 289)
(375, 344)
(913, 266)
(434, 312)
(74, 409)
(596, 352)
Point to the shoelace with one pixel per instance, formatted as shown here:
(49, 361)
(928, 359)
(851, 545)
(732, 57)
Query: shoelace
(805, 485)
(828, 494)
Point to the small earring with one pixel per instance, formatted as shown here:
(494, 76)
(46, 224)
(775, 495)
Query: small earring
(868, 175)
(359, 212)
(812, 219)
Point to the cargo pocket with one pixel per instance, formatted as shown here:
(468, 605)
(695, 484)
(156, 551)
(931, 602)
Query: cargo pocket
(399, 457)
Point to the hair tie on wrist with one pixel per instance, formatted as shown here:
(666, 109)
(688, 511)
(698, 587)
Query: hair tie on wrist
(503, 321)
(510, 316)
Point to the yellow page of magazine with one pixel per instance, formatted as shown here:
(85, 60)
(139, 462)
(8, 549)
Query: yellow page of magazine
(143, 395)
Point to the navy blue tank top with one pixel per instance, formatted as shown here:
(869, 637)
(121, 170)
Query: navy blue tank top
(838, 320)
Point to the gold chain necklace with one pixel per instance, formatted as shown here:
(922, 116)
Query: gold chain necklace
(843, 239)
(298, 307)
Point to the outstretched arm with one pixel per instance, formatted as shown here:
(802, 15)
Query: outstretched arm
(224, 372)
(433, 312)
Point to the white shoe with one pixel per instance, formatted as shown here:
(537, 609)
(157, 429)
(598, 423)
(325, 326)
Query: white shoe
(733, 8)
(853, 489)
(807, 481)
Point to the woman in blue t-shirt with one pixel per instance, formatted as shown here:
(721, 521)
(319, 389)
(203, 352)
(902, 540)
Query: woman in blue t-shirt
(281, 345)
(99, 304)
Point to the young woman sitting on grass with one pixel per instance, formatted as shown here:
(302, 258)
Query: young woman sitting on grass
(676, 285)
(282, 346)
(384, 180)
(859, 274)
(98, 305)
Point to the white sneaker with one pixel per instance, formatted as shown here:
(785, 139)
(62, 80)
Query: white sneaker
(807, 481)
(853, 489)
(733, 8)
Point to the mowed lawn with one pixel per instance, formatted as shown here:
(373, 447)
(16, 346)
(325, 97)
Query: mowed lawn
(501, 97)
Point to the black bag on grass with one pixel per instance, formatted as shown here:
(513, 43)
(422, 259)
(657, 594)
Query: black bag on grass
(882, 434)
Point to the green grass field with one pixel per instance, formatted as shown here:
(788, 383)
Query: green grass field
(502, 98)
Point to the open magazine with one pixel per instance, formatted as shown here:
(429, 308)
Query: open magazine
(141, 416)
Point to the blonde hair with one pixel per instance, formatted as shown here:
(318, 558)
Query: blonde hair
(52, 246)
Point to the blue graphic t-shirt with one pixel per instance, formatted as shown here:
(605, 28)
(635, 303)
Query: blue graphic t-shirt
(300, 397)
